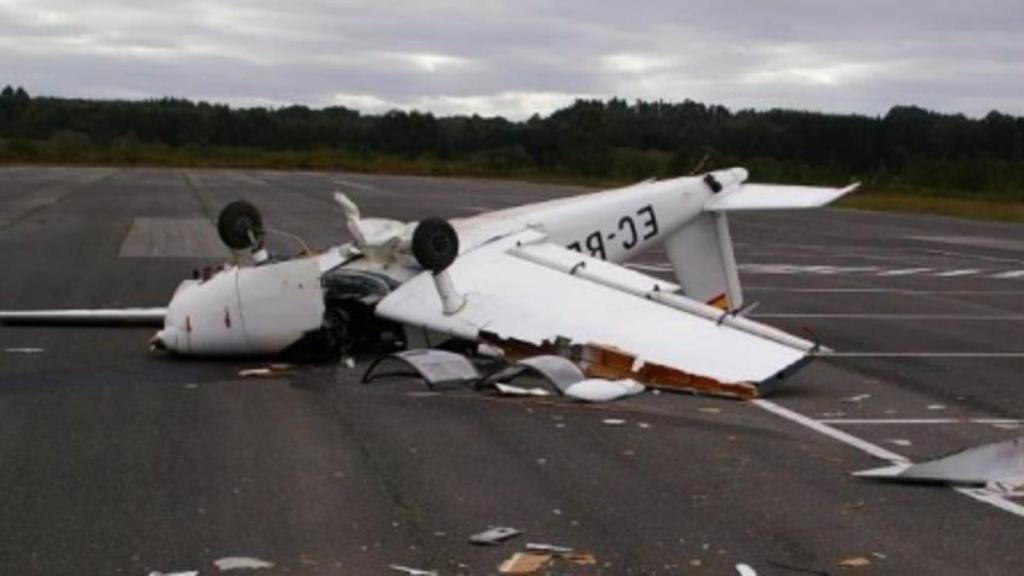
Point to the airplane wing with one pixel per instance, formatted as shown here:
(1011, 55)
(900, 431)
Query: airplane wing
(771, 196)
(101, 317)
(527, 296)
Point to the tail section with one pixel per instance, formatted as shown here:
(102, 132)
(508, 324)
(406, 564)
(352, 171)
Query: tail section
(701, 251)
(702, 257)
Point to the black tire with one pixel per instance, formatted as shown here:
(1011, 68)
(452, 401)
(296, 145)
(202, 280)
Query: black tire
(238, 224)
(435, 244)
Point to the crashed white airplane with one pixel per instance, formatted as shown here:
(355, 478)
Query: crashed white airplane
(538, 279)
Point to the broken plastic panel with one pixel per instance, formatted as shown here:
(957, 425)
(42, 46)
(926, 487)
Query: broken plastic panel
(561, 373)
(433, 366)
(999, 464)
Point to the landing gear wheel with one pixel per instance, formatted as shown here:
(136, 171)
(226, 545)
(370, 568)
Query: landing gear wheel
(240, 226)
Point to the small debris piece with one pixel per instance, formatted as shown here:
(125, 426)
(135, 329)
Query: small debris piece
(644, 425)
(510, 390)
(854, 562)
(349, 362)
(613, 422)
(899, 442)
(985, 465)
(412, 571)
(583, 559)
(602, 390)
(24, 350)
(856, 399)
(936, 406)
(745, 570)
(268, 372)
(540, 547)
(525, 563)
(241, 563)
(494, 535)
(184, 573)
(710, 410)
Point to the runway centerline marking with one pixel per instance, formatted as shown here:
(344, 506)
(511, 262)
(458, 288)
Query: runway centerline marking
(981, 495)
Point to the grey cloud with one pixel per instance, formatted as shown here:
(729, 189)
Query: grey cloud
(487, 55)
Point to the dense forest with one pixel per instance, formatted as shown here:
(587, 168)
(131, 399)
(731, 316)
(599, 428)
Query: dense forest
(907, 149)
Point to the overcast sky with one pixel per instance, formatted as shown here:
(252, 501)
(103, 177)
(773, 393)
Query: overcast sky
(515, 58)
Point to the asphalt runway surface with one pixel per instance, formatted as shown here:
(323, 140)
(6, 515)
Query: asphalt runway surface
(117, 461)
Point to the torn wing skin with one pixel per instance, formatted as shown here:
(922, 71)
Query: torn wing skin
(528, 296)
(84, 317)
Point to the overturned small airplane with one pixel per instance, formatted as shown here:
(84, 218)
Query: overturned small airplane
(538, 279)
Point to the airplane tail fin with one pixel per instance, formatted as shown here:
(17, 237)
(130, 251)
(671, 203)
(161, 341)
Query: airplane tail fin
(701, 252)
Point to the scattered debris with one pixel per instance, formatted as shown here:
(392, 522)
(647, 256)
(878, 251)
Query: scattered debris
(856, 399)
(184, 573)
(349, 362)
(24, 350)
(584, 559)
(191, 386)
(601, 390)
(899, 442)
(936, 406)
(494, 535)
(433, 366)
(560, 372)
(525, 563)
(269, 372)
(510, 390)
(999, 464)
(412, 571)
(710, 410)
(613, 422)
(855, 562)
(241, 563)
(833, 414)
(745, 570)
(540, 547)
(644, 425)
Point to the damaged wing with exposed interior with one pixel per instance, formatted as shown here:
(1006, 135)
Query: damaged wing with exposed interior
(528, 296)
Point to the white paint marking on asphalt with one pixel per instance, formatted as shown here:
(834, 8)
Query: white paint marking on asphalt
(850, 316)
(904, 271)
(1009, 274)
(834, 433)
(921, 354)
(881, 453)
(915, 421)
(955, 273)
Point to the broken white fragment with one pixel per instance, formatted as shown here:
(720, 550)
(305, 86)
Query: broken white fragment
(601, 390)
(493, 535)
(349, 362)
(856, 399)
(412, 571)
(936, 406)
(24, 350)
(256, 372)
(899, 442)
(745, 570)
(510, 390)
(997, 464)
(613, 422)
(184, 573)
(241, 563)
(539, 547)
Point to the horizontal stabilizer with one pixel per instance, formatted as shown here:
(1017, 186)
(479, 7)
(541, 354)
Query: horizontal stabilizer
(100, 317)
(774, 197)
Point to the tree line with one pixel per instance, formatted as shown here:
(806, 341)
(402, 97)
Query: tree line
(907, 148)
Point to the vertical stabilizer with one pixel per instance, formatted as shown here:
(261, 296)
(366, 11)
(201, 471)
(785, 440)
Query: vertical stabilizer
(704, 263)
